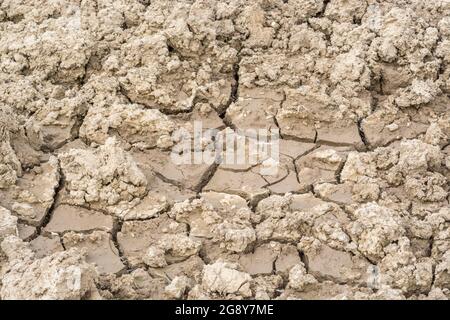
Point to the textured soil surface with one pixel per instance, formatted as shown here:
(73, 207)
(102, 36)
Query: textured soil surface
(92, 207)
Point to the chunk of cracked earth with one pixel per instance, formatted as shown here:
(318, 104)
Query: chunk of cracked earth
(178, 247)
(287, 258)
(33, 195)
(321, 166)
(59, 119)
(171, 193)
(99, 248)
(143, 128)
(255, 109)
(348, 135)
(295, 149)
(267, 287)
(204, 113)
(442, 272)
(60, 276)
(8, 224)
(189, 176)
(192, 268)
(106, 178)
(401, 270)
(261, 261)
(299, 279)
(291, 217)
(306, 117)
(225, 219)
(239, 173)
(155, 257)
(224, 278)
(26, 231)
(150, 207)
(338, 193)
(160, 193)
(178, 287)
(279, 217)
(176, 86)
(269, 258)
(283, 179)
(288, 184)
(71, 218)
(295, 124)
(338, 266)
(136, 237)
(137, 284)
(375, 227)
(46, 246)
(247, 184)
(381, 128)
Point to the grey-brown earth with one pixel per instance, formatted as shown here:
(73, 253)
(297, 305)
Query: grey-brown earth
(92, 207)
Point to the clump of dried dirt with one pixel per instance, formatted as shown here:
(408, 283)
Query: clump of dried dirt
(92, 92)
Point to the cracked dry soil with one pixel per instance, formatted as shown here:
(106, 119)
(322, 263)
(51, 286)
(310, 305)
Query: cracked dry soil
(91, 207)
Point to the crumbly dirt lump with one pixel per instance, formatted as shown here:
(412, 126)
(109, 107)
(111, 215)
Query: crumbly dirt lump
(93, 92)
(105, 177)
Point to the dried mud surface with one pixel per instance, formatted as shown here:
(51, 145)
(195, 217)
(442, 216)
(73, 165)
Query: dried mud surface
(91, 207)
